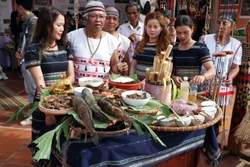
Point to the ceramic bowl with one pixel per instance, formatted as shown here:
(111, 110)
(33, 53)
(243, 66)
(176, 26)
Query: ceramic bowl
(183, 121)
(135, 102)
(209, 109)
(208, 103)
(168, 122)
(211, 114)
(200, 119)
(92, 81)
(78, 90)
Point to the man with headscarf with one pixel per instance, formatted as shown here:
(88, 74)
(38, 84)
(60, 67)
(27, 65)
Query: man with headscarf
(95, 51)
(227, 66)
(226, 53)
(111, 23)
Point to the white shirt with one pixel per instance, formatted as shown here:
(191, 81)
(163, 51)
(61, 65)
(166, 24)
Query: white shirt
(124, 46)
(127, 29)
(87, 65)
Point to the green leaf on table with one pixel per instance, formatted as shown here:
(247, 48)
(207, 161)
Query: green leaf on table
(44, 142)
(144, 127)
(65, 130)
(97, 123)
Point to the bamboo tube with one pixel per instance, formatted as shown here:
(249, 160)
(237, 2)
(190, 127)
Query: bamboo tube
(164, 68)
(156, 76)
(156, 58)
(151, 76)
(168, 51)
(147, 73)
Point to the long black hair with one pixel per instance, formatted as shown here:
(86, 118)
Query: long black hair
(44, 27)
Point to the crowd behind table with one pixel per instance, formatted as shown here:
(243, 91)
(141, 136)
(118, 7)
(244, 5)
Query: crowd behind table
(97, 50)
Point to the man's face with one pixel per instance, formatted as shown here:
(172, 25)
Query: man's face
(133, 14)
(20, 10)
(95, 20)
(224, 26)
(111, 23)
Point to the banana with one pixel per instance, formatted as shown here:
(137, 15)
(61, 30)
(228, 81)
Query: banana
(174, 90)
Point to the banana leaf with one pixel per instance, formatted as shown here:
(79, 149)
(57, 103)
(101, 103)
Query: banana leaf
(141, 127)
(44, 142)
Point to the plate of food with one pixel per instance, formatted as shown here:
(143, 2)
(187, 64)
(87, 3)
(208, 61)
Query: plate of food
(56, 104)
(92, 81)
(124, 82)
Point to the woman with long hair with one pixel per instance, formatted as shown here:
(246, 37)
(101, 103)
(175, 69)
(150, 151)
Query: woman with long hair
(15, 28)
(189, 55)
(155, 39)
(47, 58)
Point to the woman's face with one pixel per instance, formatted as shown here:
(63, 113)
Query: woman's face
(58, 27)
(184, 33)
(153, 28)
(18, 18)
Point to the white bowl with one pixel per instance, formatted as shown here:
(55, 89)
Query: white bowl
(95, 82)
(200, 119)
(211, 114)
(168, 122)
(135, 102)
(78, 90)
(183, 121)
(209, 109)
(208, 103)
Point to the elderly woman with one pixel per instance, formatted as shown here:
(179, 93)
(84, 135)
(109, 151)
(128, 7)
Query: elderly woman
(95, 51)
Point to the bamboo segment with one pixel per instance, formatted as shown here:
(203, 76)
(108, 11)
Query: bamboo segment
(156, 58)
(147, 73)
(151, 76)
(164, 68)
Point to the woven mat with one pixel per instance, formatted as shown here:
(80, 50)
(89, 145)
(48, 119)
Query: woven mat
(9, 99)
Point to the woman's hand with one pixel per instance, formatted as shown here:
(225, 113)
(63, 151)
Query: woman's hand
(50, 119)
(39, 93)
(177, 80)
(198, 79)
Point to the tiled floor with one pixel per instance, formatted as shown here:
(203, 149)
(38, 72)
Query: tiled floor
(15, 138)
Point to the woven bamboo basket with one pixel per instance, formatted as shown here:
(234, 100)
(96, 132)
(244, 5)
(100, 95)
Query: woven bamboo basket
(53, 111)
(102, 134)
(192, 128)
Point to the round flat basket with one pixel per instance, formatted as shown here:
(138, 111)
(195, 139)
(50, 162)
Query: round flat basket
(217, 117)
(53, 111)
(104, 133)
(135, 86)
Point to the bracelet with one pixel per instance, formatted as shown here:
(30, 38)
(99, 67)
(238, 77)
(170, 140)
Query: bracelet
(204, 76)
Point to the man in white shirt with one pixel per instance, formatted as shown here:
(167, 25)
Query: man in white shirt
(111, 23)
(134, 28)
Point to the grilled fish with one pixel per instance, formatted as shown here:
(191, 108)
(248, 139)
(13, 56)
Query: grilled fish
(96, 110)
(110, 107)
(85, 114)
